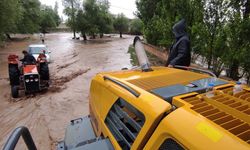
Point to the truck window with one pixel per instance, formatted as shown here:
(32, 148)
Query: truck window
(124, 122)
(170, 144)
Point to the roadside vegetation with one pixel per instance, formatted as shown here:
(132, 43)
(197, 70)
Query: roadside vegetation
(219, 30)
(88, 17)
(92, 17)
(154, 60)
(26, 17)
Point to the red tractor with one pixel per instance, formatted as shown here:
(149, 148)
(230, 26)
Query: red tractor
(28, 77)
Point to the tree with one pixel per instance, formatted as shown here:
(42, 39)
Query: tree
(30, 19)
(214, 21)
(47, 18)
(26, 16)
(121, 24)
(238, 39)
(70, 9)
(246, 49)
(91, 14)
(136, 27)
(158, 17)
(82, 24)
(104, 21)
(94, 18)
(9, 15)
(56, 15)
(218, 29)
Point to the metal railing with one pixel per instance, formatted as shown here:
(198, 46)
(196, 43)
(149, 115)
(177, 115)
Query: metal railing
(196, 69)
(15, 136)
(129, 89)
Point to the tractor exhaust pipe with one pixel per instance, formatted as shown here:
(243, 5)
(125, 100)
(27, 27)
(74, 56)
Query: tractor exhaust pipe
(141, 55)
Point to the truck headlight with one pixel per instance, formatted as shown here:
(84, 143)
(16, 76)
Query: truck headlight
(27, 80)
(31, 80)
(36, 79)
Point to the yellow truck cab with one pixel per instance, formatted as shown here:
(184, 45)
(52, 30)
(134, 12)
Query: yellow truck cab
(166, 108)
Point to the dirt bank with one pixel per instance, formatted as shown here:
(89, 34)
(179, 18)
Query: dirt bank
(74, 64)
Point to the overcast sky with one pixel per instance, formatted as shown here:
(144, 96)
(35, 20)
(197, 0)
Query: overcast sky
(127, 7)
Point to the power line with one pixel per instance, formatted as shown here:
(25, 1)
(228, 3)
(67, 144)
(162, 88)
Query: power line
(121, 8)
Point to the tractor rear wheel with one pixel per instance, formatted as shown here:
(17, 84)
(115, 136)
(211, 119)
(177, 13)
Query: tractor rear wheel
(14, 74)
(44, 71)
(14, 91)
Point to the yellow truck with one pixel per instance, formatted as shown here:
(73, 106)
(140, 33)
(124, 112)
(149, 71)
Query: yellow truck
(161, 108)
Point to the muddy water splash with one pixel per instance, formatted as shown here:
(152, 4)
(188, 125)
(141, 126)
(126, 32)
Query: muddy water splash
(57, 83)
(74, 64)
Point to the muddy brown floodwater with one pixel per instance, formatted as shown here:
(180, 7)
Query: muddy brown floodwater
(74, 64)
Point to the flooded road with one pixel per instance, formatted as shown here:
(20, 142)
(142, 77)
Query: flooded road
(74, 64)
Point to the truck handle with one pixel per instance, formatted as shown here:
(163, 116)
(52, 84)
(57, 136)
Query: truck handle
(15, 136)
(196, 69)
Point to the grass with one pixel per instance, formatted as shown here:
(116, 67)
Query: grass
(154, 61)
(133, 57)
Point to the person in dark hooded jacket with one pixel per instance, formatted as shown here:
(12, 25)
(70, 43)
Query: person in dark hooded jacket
(180, 51)
(28, 58)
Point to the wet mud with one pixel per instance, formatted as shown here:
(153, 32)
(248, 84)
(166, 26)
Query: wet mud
(74, 64)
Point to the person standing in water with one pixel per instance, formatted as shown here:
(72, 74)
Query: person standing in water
(42, 36)
(180, 53)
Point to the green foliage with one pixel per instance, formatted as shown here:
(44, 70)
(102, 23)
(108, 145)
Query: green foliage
(81, 23)
(136, 27)
(56, 16)
(92, 12)
(48, 18)
(133, 57)
(19, 16)
(121, 23)
(94, 18)
(70, 9)
(218, 29)
(25, 16)
(29, 22)
(105, 20)
(159, 16)
(10, 12)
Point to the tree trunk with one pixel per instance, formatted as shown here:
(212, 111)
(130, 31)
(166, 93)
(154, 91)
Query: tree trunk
(8, 36)
(74, 33)
(209, 62)
(93, 36)
(120, 34)
(101, 35)
(73, 19)
(233, 71)
(247, 9)
(84, 37)
(248, 78)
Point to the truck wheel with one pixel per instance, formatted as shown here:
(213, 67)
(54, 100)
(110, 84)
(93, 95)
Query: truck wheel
(44, 71)
(14, 74)
(14, 91)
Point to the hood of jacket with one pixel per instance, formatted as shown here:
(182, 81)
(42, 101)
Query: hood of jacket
(179, 28)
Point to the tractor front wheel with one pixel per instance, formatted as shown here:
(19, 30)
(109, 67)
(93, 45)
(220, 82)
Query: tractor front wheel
(14, 91)
(14, 74)
(44, 71)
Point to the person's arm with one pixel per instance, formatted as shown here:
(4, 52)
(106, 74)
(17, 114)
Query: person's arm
(24, 58)
(182, 51)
